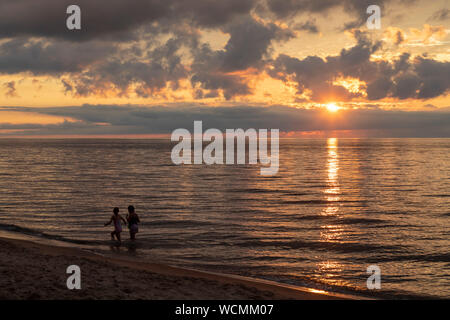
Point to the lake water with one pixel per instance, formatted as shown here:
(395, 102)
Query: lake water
(336, 207)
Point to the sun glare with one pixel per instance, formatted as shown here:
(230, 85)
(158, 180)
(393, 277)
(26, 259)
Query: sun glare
(332, 107)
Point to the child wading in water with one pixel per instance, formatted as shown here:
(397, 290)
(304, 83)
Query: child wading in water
(133, 221)
(115, 218)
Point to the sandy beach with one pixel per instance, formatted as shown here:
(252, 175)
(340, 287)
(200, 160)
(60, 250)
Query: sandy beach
(29, 270)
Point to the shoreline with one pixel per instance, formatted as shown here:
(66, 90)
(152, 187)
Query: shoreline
(38, 271)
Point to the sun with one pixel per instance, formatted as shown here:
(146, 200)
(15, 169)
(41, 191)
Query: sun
(332, 107)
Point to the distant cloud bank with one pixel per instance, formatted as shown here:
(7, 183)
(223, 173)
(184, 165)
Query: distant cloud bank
(141, 120)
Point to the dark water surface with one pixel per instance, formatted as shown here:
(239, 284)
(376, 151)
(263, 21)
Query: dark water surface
(336, 207)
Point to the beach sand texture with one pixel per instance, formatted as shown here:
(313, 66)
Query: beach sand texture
(29, 270)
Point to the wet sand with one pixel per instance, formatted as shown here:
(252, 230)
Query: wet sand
(29, 270)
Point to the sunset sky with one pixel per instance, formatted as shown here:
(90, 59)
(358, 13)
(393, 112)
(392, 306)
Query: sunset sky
(310, 68)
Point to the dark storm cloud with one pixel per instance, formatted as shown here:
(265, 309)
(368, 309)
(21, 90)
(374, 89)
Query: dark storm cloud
(114, 19)
(210, 82)
(118, 19)
(96, 66)
(39, 57)
(47, 18)
(418, 78)
(249, 42)
(286, 8)
(357, 8)
(157, 68)
(209, 13)
(379, 88)
(404, 78)
(152, 120)
(434, 77)
(101, 64)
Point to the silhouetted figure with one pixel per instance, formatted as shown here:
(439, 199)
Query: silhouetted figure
(115, 218)
(133, 221)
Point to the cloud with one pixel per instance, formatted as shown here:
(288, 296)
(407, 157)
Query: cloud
(289, 8)
(429, 33)
(206, 13)
(149, 74)
(100, 67)
(315, 76)
(147, 48)
(434, 77)
(40, 57)
(402, 78)
(10, 89)
(103, 119)
(441, 15)
(249, 42)
(111, 19)
(285, 9)
(309, 26)
(427, 36)
(99, 18)
(252, 37)
(395, 35)
(121, 20)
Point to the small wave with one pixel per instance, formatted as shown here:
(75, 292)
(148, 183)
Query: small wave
(344, 247)
(181, 223)
(311, 217)
(40, 234)
(339, 220)
(437, 195)
(432, 257)
(360, 221)
(322, 201)
(250, 190)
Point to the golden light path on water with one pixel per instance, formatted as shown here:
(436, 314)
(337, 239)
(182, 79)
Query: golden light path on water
(328, 269)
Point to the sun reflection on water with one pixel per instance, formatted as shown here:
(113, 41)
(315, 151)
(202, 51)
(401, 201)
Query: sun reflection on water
(332, 191)
(331, 233)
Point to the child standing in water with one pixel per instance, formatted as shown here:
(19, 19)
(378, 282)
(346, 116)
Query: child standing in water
(133, 221)
(115, 218)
